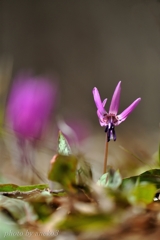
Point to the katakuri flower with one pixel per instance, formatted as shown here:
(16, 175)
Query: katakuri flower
(110, 119)
(30, 104)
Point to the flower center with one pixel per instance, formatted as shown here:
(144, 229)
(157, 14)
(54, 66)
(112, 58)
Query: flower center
(111, 120)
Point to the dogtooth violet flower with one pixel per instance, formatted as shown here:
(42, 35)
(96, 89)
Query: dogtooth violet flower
(111, 119)
(31, 101)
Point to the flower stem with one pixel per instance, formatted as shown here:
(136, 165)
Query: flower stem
(105, 156)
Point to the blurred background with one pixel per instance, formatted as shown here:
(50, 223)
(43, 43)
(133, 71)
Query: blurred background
(83, 44)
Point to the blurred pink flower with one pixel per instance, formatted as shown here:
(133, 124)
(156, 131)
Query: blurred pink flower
(76, 130)
(30, 103)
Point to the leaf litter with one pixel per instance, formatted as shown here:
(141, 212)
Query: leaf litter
(110, 209)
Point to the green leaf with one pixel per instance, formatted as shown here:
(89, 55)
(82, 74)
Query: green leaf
(13, 187)
(142, 193)
(151, 176)
(9, 230)
(111, 179)
(84, 173)
(17, 209)
(63, 171)
(81, 222)
(63, 146)
(43, 205)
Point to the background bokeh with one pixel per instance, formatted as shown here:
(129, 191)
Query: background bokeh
(85, 44)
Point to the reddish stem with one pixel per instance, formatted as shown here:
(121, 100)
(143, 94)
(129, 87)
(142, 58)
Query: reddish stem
(105, 156)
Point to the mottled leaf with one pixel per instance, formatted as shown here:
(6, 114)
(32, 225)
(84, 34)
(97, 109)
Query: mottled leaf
(111, 179)
(63, 171)
(63, 146)
(84, 172)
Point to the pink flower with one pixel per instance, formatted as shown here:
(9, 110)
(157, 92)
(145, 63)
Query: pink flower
(30, 103)
(111, 119)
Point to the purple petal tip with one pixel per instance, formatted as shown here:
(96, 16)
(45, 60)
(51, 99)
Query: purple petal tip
(128, 110)
(115, 99)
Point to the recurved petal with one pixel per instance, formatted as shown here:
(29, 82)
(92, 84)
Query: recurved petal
(104, 102)
(115, 99)
(121, 117)
(98, 101)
